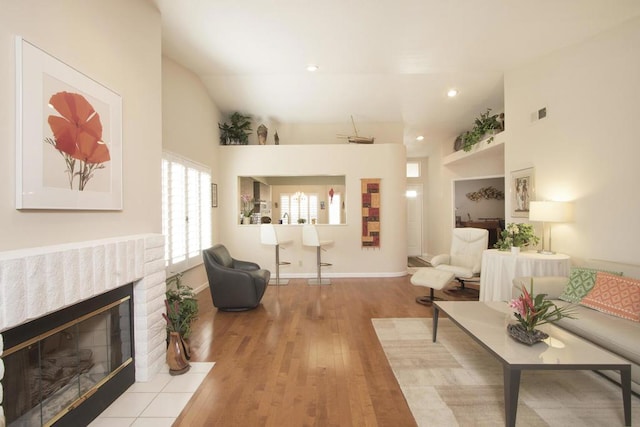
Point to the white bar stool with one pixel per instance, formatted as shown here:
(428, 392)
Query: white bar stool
(310, 238)
(268, 236)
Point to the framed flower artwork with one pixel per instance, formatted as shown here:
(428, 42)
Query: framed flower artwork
(68, 136)
(522, 192)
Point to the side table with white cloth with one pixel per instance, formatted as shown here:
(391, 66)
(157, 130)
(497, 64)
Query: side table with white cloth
(499, 268)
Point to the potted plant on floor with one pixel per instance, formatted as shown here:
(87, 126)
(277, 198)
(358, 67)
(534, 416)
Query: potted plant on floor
(182, 309)
(237, 132)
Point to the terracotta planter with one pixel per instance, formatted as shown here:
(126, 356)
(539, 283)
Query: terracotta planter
(176, 358)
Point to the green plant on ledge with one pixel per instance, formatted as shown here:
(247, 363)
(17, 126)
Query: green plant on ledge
(236, 133)
(482, 127)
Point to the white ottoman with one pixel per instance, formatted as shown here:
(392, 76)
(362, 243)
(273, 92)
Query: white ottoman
(433, 279)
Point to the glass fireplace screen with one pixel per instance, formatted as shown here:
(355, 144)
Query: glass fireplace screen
(50, 374)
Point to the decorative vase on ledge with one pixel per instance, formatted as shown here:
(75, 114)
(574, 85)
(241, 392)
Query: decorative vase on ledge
(515, 250)
(246, 220)
(519, 333)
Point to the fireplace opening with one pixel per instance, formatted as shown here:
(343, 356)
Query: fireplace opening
(65, 368)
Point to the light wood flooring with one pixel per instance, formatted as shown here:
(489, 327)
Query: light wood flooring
(307, 356)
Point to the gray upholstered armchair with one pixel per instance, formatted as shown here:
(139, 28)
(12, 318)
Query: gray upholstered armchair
(235, 285)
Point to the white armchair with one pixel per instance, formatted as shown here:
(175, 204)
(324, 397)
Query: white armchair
(465, 257)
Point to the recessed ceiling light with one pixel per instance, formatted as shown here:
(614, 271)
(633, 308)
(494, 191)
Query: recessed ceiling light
(312, 67)
(452, 93)
(419, 138)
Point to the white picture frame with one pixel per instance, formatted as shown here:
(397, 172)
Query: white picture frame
(56, 172)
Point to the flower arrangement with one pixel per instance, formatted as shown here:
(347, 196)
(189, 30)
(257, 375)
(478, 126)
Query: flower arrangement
(77, 135)
(247, 205)
(534, 310)
(518, 235)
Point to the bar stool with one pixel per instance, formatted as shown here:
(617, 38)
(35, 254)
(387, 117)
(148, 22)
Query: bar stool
(310, 238)
(268, 236)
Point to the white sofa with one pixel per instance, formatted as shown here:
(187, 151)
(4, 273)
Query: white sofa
(618, 335)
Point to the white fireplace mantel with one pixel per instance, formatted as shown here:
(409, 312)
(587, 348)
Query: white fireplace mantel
(38, 281)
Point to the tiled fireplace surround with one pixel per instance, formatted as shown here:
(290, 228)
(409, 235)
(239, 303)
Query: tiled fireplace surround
(38, 281)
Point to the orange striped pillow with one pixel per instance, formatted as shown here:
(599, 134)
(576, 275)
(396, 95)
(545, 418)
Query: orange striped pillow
(616, 295)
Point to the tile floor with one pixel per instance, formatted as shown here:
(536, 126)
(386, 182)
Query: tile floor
(155, 403)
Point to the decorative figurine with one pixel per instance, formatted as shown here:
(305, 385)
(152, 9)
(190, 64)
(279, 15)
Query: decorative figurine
(262, 134)
(276, 138)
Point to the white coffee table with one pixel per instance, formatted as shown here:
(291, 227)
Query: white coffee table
(486, 322)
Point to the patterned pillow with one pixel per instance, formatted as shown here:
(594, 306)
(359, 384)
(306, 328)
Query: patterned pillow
(581, 281)
(619, 296)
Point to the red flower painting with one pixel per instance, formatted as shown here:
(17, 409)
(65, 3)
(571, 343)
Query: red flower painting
(77, 135)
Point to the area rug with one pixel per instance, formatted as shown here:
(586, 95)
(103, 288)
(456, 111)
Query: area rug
(455, 382)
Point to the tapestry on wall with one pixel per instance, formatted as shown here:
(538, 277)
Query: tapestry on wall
(370, 213)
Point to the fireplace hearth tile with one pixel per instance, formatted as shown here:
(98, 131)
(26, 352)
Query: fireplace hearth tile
(154, 386)
(129, 405)
(184, 383)
(166, 405)
(113, 422)
(153, 422)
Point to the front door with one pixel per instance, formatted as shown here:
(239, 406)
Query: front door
(414, 219)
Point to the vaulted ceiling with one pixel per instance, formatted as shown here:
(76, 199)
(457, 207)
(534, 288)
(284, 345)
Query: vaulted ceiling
(379, 60)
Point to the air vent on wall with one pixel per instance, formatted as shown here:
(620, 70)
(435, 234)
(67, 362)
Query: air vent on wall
(539, 115)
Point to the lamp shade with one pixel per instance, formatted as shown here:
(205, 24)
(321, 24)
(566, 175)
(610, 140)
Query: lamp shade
(548, 211)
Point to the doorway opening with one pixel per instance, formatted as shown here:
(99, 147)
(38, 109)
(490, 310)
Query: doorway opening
(480, 203)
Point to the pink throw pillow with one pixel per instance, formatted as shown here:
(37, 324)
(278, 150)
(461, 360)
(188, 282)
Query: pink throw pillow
(616, 295)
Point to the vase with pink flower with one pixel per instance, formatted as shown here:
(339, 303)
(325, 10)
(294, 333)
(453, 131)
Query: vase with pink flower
(247, 207)
(531, 311)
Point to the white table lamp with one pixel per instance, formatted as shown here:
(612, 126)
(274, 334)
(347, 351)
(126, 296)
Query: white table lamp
(549, 211)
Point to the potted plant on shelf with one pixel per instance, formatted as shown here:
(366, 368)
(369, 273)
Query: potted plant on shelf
(237, 132)
(483, 126)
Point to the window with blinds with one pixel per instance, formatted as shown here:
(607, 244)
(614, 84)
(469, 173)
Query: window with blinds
(299, 205)
(186, 214)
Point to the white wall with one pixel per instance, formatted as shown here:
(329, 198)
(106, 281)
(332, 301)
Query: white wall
(323, 133)
(190, 129)
(117, 43)
(327, 133)
(385, 161)
(587, 148)
(439, 205)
